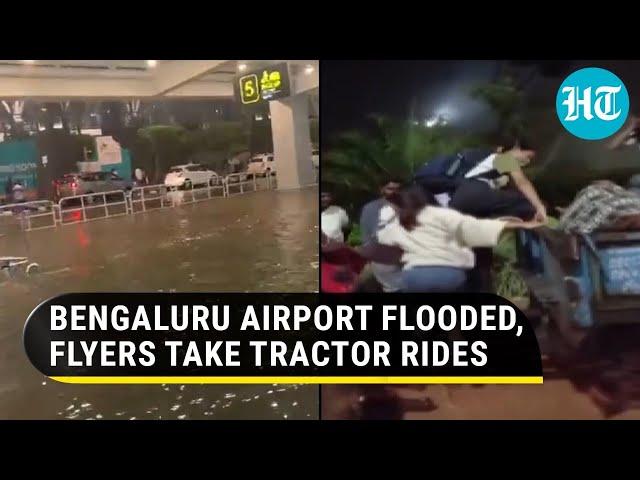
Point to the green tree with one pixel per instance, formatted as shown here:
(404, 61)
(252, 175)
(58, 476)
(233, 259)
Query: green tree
(167, 147)
(357, 163)
(505, 98)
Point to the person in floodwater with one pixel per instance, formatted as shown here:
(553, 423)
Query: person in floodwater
(18, 193)
(334, 221)
(437, 241)
(8, 190)
(376, 215)
(487, 189)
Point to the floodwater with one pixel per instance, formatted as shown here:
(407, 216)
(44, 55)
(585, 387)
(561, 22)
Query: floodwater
(258, 242)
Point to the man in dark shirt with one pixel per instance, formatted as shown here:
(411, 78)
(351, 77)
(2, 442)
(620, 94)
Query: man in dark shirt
(375, 215)
(370, 218)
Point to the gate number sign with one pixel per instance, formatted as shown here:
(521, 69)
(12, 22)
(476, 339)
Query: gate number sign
(249, 89)
(263, 85)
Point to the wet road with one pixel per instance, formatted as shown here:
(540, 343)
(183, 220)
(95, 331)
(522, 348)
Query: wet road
(263, 241)
(556, 399)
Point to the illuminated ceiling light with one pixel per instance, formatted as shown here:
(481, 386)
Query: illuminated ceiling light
(242, 67)
(308, 70)
(152, 63)
(28, 62)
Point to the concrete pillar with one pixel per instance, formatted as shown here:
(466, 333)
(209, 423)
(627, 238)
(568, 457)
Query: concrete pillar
(292, 142)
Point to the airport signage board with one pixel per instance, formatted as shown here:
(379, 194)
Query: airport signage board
(263, 85)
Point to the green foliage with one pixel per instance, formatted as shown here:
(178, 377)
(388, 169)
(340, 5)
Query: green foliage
(355, 236)
(227, 137)
(168, 145)
(505, 99)
(357, 163)
(508, 282)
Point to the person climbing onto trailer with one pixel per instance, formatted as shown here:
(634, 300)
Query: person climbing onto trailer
(437, 242)
(487, 190)
(440, 176)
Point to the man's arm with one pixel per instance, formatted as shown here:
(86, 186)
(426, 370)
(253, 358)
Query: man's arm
(528, 190)
(624, 134)
(366, 229)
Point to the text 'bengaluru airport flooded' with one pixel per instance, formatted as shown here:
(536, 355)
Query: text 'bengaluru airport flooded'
(262, 242)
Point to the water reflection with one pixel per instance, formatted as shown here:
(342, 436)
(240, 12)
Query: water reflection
(264, 241)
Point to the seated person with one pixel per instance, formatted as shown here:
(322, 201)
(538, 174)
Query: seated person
(601, 205)
(436, 242)
(485, 191)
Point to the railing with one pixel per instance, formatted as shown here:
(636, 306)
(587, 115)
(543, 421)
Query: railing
(93, 206)
(215, 188)
(96, 206)
(34, 215)
(239, 183)
(150, 197)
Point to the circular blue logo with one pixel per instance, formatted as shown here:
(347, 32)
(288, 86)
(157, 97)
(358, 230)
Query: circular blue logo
(592, 103)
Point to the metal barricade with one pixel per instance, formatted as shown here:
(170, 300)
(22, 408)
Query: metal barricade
(150, 197)
(239, 183)
(93, 206)
(34, 215)
(153, 197)
(40, 214)
(215, 188)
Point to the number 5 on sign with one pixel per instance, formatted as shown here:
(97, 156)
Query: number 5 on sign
(249, 92)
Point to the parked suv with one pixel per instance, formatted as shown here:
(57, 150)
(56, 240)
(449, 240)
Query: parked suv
(73, 184)
(190, 175)
(262, 165)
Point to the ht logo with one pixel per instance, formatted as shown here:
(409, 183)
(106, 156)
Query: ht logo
(604, 105)
(592, 103)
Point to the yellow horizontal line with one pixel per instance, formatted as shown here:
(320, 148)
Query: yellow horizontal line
(299, 380)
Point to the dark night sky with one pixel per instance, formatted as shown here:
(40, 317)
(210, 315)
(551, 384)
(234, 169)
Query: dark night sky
(350, 90)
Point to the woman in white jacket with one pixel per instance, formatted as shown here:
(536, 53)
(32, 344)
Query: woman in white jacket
(437, 242)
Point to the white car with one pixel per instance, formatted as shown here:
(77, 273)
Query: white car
(261, 165)
(190, 176)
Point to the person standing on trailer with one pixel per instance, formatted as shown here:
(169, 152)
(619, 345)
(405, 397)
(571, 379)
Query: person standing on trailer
(497, 187)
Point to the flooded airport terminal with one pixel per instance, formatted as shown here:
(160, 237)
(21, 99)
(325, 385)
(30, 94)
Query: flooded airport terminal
(265, 241)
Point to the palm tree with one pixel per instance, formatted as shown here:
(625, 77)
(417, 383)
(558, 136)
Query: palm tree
(356, 165)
